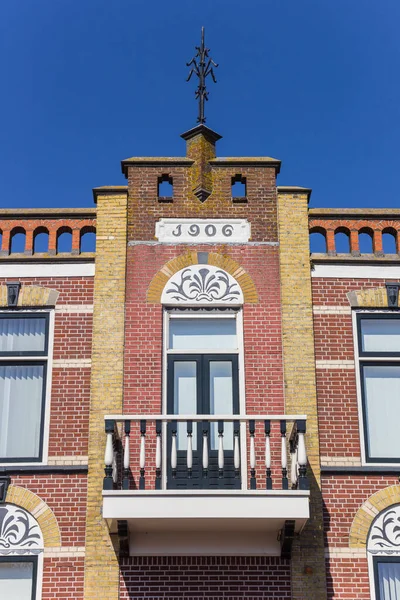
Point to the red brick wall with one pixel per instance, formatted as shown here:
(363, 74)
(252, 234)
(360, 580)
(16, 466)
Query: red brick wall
(65, 493)
(343, 495)
(205, 577)
(143, 338)
(145, 209)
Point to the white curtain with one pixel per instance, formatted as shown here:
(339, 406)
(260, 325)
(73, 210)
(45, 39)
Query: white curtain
(16, 580)
(202, 334)
(382, 406)
(389, 580)
(21, 388)
(22, 335)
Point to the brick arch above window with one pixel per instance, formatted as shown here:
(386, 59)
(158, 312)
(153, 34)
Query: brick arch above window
(225, 263)
(368, 512)
(369, 298)
(31, 295)
(38, 508)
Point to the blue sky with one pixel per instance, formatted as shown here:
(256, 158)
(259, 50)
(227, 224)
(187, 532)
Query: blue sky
(86, 83)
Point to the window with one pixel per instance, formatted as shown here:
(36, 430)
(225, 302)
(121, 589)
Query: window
(383, 555)
(387, 577)
(18, 576)
(24, 352)
(379, 377)
(21, 554)
(202, 360)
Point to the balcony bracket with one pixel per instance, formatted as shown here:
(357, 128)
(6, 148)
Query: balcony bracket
(286, 539)
(123, 538)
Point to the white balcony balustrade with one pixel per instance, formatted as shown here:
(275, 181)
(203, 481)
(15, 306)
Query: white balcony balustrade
(180, 481)
(167, 450)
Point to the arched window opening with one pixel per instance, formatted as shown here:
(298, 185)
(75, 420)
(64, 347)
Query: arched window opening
(317, 242)
(389, 241)
(165, 186)
(384, 554)
(64, 240)
(365, 241)
(40, 240)
(87, 240)
(21, 553)
(18, 240)
(238, 187)
(342, 241)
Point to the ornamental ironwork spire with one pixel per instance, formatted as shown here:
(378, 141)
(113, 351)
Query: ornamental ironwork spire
(202, 66)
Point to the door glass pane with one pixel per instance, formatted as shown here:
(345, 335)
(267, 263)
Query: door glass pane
(202, 334)
(389, 580)
(16, 580)
(21, 388)
(221, 400)
(185, 399)
(22, 335)
(380, 335)
(382, 404)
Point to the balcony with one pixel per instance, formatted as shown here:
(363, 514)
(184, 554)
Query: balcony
(205, 484)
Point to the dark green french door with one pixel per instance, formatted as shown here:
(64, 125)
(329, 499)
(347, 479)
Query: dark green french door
(202, 384)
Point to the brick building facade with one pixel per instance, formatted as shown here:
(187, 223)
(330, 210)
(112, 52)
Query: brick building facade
(196, 410)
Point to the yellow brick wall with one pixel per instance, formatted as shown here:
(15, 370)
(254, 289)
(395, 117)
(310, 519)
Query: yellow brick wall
(101, 563)
(300, 387)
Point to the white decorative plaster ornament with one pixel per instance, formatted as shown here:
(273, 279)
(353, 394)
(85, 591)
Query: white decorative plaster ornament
(384, 535)
(19, 531)
(199, 231)
(202, 285)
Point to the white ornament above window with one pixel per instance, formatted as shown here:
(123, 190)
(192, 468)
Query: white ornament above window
(202, 285)
(199, 231)
(19, 531)
(384, 535)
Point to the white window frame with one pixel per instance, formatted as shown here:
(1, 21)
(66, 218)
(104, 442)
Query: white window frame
(203, 313)
(357, 360)
(47, 382)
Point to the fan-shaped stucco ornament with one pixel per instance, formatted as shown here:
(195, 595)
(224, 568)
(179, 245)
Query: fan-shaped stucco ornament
(202, 285)
(384, 535)
(19, 531)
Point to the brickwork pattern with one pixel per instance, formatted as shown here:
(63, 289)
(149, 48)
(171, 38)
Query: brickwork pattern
(101, 563)
(300, 386)
(353, 226)
(53, 226)
(145, 209)
(368, 511)
(205, 577)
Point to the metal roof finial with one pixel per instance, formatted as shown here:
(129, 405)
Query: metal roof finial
(202, 66)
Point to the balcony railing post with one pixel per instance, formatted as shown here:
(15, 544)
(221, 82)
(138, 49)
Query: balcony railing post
(293, 460)
(252, 430)
(189, 457)
(267, 425)
(220, 449)
(285, 483)
(302, 455)
(158, 454)
(125, 480)
(174, 455)
(205, 448)
(236, 448)
(142, 480)
(108, 482)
